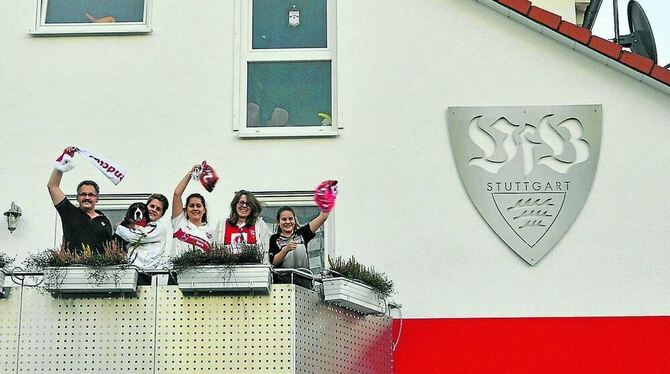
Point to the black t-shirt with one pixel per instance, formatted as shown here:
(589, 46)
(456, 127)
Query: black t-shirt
(302, 235)
(79, 228)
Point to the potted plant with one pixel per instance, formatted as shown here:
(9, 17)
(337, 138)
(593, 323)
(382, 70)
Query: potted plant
(354, 286)
(66, 272)
(5, 262)
(223, 269)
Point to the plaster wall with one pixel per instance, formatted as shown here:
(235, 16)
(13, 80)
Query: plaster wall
(159, 103)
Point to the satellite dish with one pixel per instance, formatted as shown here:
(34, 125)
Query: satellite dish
(641, 38)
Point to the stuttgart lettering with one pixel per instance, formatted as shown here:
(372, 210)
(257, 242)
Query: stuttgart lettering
(526, 186)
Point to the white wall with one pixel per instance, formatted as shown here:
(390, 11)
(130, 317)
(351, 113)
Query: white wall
(564, 8)
(159, 103)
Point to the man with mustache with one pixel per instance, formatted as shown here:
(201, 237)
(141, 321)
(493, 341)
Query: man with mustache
(83, 226)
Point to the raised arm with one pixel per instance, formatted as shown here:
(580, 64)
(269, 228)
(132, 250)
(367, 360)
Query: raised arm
(53, 186)
(177, 204)
(317, 222)
(62, 164)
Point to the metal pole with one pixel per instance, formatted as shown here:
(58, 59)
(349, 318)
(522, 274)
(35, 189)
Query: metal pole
(591, 13)
(616, 20)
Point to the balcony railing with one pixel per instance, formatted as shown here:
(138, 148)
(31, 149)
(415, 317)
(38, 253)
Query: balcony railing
(162, 330)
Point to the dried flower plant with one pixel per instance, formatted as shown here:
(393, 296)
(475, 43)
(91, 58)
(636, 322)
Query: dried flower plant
(112, 254)
(352, 269)
(5, 260)
(219, 255)
(50, 260)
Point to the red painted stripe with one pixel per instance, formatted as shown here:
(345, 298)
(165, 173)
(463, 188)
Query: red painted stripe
(534, 345)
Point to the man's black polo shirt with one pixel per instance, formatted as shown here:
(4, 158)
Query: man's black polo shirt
(79, 228)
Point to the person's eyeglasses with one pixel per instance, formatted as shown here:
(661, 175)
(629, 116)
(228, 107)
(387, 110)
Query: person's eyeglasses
(243, 203)
(85, 194)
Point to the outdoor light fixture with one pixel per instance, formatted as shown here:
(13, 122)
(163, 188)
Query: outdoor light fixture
(13, 215)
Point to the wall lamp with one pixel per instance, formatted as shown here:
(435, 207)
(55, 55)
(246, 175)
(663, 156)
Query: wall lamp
(13, 215)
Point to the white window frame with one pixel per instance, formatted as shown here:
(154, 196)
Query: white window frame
(42, 28)
(245, 54)
(302, 198)
(105, 201)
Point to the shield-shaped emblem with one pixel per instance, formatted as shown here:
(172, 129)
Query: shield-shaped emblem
(528, 170)
(294, 17)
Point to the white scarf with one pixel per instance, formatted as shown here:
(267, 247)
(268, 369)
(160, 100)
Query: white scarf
(109, 168)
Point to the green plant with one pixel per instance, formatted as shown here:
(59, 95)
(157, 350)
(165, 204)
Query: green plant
(51, 260)
(219, 255)
(5, 260)
(352, 269)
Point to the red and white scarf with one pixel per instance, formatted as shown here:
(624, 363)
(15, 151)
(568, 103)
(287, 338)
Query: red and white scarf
(185, 237)
(109, 168)
(208, 177)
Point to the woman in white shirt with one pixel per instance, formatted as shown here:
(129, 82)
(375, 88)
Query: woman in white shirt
(189, 223)
(146, 245)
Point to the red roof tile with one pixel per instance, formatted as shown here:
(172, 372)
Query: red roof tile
(605, 47)
(544, 17)
(521, 6)
(572, 31)
(637, 62)
(661, 74)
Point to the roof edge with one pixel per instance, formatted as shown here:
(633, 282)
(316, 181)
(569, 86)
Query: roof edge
(581, 40)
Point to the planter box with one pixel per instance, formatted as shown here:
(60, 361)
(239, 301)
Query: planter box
(293, 276)
(352, 295)
(232, 278)
(77, 279)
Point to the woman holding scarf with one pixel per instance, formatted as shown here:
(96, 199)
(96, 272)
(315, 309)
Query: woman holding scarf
(288, 247)
(189, 222)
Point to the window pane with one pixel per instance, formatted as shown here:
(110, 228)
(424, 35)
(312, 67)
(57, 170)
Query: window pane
(315, 248)
(271, 27)
(88, 11)
(115, 215)
(288, 94)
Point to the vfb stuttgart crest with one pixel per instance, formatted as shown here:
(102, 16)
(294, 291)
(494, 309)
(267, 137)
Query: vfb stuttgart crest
(528, 170)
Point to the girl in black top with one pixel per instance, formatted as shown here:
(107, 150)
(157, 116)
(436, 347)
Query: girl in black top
(288, 247)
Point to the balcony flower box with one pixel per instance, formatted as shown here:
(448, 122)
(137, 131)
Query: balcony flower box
(84, 279)
(352, 295)
(255, 279)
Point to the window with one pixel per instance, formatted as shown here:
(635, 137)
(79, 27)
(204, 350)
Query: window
(91, 16)
(114, 206)
(302, 202)
(285, 73)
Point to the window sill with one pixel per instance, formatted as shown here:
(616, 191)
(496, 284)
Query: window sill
(86, 29)
(288, 132)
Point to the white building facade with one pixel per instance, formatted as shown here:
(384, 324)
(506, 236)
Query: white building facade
(175, 87)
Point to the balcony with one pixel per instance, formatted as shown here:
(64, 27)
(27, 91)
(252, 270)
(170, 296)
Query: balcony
(162, 330)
